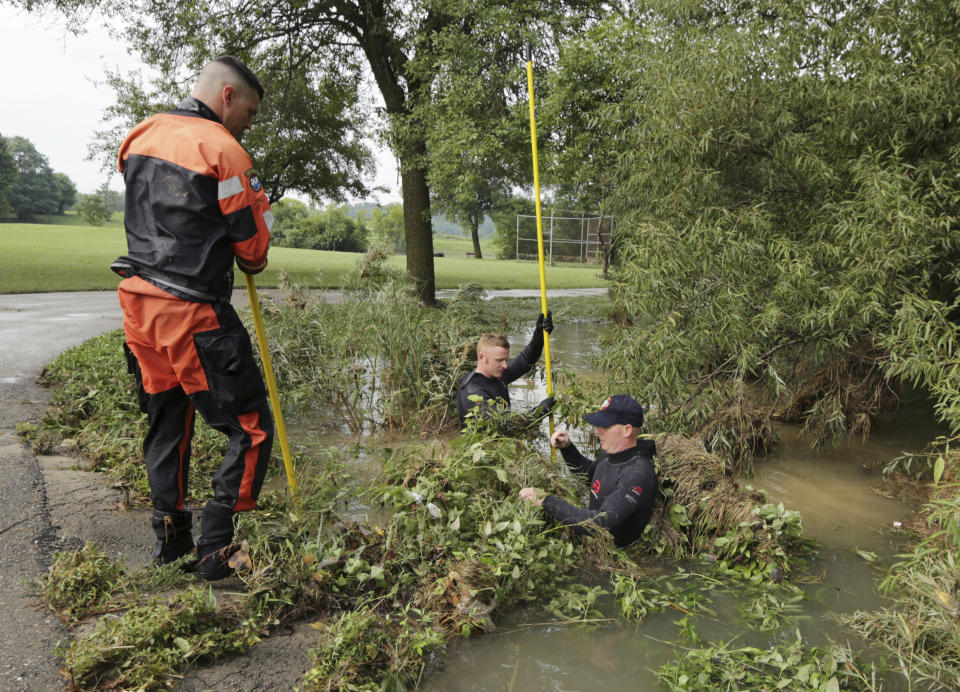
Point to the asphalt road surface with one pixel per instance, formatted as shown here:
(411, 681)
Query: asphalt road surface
(33, 330)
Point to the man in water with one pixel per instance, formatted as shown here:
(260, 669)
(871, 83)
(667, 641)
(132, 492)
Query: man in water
(486, 387)
(623, 484)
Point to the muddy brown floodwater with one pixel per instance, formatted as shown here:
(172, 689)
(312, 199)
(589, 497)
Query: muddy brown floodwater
(838, 492)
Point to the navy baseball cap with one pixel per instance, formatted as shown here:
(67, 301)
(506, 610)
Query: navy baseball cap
(620, 409)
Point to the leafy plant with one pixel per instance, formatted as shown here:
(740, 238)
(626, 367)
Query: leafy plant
(81, 583)
(790, 666)
(141, 648)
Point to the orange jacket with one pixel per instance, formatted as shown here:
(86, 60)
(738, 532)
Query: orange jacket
(194, 203)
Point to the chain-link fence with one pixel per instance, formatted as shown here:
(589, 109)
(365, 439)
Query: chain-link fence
(568, 236)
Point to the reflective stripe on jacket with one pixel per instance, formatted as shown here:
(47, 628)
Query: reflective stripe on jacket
(193, 204)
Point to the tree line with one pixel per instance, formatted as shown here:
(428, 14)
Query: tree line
(28, 186)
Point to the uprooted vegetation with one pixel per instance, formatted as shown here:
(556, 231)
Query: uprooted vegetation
(456, 550)
(448, 547)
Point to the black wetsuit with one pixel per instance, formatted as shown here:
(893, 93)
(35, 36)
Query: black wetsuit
(623, 490)
(495, 388)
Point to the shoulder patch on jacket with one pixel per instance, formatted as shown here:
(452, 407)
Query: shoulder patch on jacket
(255, 184)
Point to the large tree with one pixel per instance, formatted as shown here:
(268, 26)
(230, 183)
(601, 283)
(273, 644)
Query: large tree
(791, 245)
(478, 135)
(7, 174)
(34, 189)
(403, 46)
(67, 192)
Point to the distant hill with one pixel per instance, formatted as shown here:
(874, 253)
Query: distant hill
(441, 224)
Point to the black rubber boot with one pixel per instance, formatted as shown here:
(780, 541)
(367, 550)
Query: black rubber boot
(174, 538)
(215, 546)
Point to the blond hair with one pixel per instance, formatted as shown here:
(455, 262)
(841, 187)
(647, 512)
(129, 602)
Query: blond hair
(490, 340)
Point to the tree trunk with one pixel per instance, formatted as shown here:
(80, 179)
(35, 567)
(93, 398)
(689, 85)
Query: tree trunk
(388, 65)
(417, 227)
(475, 234)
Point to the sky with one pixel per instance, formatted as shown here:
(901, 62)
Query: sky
(51, 94)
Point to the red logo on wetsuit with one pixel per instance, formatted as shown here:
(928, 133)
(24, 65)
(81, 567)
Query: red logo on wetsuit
(638, 490)
(595, 488)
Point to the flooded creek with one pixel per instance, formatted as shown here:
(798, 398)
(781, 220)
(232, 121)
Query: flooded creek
(838, 491)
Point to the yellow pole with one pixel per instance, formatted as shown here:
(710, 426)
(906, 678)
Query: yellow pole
(271, 385)
(536, 190)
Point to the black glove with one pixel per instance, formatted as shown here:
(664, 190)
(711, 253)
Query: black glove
(545, 323)
(546, 406)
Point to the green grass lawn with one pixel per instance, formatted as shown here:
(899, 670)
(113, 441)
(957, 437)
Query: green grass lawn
(71, 256)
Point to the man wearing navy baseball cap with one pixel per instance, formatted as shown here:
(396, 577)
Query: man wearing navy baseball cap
(623, 484)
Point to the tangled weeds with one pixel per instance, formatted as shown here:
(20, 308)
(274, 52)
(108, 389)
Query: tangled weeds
(921, 627)
(456, 549)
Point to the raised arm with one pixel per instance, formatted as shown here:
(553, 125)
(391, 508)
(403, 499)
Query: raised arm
(521, 365)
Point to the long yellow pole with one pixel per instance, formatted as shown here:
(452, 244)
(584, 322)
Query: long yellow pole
(536, 190)
(271, 386)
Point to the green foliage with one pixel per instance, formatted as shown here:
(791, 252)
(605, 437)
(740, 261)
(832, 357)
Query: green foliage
(769, 611)
(66, 192)
(791, 666)
(329, 229)
(920, 627)
(147, 643)
(386, 227)
(93, 210)
(762, 544)
(80, 583)
(8, 173)
(478, 136)
(113, 201)
(363, 641)
(504, 215)
(786, 210)
(382, 358)
(34, 189)
(309, 133)
(637, 595)
(577, 602)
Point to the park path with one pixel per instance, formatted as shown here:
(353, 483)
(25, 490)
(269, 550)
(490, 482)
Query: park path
(50, 505)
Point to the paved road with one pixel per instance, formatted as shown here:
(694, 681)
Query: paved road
(34, 329)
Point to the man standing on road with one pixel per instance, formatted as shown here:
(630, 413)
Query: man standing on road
(486, 386)
(623, 484)
(194, 205)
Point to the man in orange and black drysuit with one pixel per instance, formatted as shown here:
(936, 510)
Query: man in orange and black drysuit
(194, 205)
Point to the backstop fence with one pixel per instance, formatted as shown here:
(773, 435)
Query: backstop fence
(568, 236)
